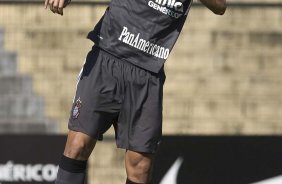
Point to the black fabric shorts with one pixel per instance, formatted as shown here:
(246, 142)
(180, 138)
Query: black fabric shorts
(114, 92)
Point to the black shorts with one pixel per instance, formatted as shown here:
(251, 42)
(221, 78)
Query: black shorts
(114, 92)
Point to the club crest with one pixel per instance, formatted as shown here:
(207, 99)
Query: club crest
(76, 109)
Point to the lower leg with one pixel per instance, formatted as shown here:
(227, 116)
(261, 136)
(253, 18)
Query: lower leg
(73, 163)
(138, 167)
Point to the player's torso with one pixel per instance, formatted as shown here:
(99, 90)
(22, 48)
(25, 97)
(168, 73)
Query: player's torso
(143, 31)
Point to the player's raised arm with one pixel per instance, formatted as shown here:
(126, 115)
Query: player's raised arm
(216, 6)
(56, 6)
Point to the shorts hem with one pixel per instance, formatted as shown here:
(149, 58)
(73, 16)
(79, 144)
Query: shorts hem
(138, 149)
(96, 137)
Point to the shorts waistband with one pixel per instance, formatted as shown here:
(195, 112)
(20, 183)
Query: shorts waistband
(115, 58)
(112, 56)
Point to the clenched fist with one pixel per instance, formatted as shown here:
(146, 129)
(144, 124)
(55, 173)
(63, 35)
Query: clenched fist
(57, 6)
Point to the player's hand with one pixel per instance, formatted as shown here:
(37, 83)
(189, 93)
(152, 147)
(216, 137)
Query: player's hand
(57, 6)
(216, 6)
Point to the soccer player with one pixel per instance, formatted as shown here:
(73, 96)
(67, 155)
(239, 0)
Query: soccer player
(121, 83)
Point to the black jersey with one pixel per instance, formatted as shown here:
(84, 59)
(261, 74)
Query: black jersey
(142, 32)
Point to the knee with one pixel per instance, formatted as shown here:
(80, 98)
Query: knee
(78, 148)
(140, 168)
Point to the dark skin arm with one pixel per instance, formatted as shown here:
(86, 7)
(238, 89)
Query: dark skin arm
(216, 6)
(56, 6)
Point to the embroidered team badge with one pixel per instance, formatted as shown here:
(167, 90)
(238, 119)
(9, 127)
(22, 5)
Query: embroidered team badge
(76, 109)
